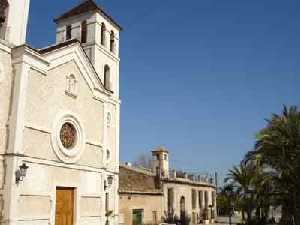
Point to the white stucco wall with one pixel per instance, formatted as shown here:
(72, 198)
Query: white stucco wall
(185, 190)
(39, 100)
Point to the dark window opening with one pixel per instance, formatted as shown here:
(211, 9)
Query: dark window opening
(3, 11)
(112, 42)
(103, 30)
(200, 199)
(213, 197)
(107, 77)
(206, 199)
(157, 171)
(68, 32)
(83, 32)
(194, 198)
(170, 199)
(107, 202)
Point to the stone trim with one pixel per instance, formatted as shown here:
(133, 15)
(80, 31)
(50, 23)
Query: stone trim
(140, 193)
(195, 184)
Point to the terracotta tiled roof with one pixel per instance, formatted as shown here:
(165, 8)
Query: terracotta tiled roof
(136, 181)
(57, 46)
(84, 7)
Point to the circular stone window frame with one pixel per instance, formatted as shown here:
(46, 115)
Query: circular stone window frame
(68, 155)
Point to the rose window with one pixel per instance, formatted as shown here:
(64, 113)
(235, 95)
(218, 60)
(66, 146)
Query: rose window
(68, 135)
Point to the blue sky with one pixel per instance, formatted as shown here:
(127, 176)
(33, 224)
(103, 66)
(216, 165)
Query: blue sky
(198, 76)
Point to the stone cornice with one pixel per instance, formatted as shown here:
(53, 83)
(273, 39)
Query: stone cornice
(25, 54)
(5, 46)
(188, 182)
(140, 192)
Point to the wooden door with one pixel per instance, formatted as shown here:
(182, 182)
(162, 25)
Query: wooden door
(64, 213)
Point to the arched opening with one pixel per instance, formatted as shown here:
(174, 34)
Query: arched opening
(112, 42)
(68, 32)
(107, 155)
(206, 199)
(83, 31)
(3, 6)
(103, 30)
(182, 208)
(107, 77)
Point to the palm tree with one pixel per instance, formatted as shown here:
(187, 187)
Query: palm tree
(278, 148)
(225, 199)
(241, 178)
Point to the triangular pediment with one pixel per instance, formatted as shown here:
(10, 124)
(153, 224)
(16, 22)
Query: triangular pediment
(64, 53)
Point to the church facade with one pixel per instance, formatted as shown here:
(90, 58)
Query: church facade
(59, 119)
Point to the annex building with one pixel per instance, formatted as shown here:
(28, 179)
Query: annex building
(152, 196)
(59, 119)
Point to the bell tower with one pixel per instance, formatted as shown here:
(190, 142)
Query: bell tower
(13, 21)
(160, 162)
(99, 36)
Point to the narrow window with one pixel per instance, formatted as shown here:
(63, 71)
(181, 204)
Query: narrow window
(107, 154)
(107, 77)
(112, 42)
(200, 199)
(194, 199)
(154, 217)
(108, 118)
(107, 202)
(157, 171)
(83, 31)
(68, 32)
(206, 199)
(213, 197)
(182, 208)
(103, 30)
(170, 199)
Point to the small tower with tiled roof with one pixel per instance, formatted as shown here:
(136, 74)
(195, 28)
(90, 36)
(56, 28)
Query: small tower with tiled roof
(160, 162)
(99, 35)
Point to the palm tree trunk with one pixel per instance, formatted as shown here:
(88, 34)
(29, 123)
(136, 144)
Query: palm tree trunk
(249, 215)
(286, 215)
(296, 208)
(243, 215)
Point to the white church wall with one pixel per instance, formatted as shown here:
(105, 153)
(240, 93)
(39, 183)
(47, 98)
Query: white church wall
(37, 192)
(47, 94)
(5, 92)
(5, 96)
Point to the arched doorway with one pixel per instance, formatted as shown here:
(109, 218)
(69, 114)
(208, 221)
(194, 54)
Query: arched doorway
(182, 208)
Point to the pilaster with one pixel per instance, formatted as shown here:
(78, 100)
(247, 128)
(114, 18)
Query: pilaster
(16, 119)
